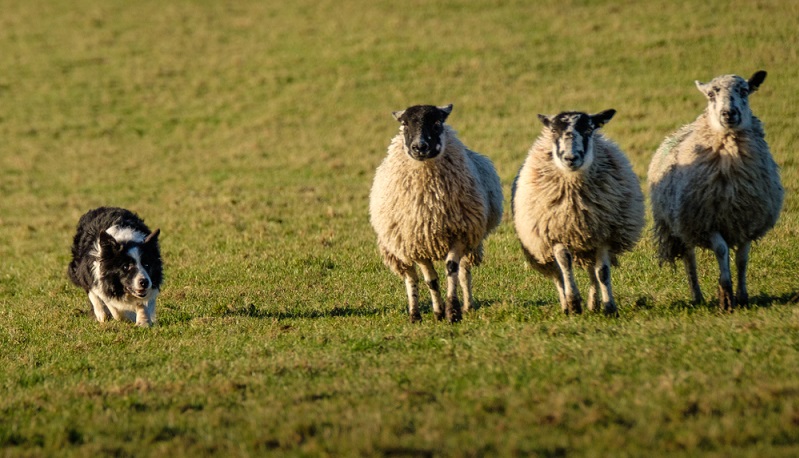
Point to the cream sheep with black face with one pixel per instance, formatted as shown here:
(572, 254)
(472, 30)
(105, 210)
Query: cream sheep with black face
(433, 199)
(576, 200)
(714, 185)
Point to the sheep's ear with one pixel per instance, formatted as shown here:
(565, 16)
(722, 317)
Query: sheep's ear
(152, 237)
(545, 120)
(756, 80)
(445, 111)
(602, 118)
(397, 114)
(703, 87)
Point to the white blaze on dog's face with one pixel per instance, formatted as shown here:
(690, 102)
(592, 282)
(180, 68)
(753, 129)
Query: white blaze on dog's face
(124, 262)
(139, 280)
(422, 127)
(572, 137)
(728, 100)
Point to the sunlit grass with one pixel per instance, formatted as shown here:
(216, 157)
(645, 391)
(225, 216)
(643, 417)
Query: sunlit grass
(249, 134)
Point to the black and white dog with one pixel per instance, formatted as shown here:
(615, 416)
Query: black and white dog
(116, 259)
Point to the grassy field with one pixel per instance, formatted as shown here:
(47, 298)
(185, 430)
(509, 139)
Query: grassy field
(249, 133)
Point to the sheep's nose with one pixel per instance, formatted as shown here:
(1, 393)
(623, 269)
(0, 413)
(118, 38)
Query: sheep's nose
(421, 146)
(731, 115)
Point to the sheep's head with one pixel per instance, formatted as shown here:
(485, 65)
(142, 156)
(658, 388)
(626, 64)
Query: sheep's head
(423, 129)
(572, 137)
(728, 100)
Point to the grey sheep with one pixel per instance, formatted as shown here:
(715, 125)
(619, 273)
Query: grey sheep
(715, 185)
(577, 200)
(433, 199)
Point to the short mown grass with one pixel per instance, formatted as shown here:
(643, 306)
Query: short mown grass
(249, 133)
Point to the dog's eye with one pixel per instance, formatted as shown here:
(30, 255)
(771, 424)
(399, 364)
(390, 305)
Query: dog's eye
(146, 265)
(128, 267)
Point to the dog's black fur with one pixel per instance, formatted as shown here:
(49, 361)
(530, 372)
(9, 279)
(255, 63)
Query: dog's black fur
(117, 261)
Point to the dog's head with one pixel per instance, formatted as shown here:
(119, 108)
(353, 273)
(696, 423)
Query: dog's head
(129, 268)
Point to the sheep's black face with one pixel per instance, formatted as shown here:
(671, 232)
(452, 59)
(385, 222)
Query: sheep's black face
(572, 135)
(728, 100)
(423, 129)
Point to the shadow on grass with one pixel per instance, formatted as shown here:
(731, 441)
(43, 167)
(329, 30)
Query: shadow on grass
(254, 312)
(533, 303)
(427, 306)
(761, 300)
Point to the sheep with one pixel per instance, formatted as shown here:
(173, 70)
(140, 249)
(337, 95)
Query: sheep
(577, 200)
(714, 184)
(433, 199)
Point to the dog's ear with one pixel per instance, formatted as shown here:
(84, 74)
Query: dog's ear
(153, 237)
(108, 243)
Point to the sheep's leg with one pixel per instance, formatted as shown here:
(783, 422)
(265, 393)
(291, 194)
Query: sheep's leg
(561, 293)
(593, 291)
(411, 280)
(431, 278)
(689, 261)
(726, 299)
(465, 278)
(602, 275)
(573, 301)
(741, 262)
(453, 307)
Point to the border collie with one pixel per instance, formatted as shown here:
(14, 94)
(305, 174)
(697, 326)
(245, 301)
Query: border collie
(116, 259)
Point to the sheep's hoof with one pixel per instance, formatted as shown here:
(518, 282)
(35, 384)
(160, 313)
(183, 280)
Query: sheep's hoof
(574, 306)
(453, 310)
(593, 305)
(416, 317)
(454, 317)
(726, 300)
(610, 309)
(742, 300)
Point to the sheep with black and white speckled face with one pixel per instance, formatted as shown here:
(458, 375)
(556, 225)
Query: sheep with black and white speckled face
(576, 200)
(714, 185)
(433, 199)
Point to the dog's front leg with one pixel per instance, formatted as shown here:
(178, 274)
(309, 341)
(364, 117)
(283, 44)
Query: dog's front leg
(101, 312)
(142, 315)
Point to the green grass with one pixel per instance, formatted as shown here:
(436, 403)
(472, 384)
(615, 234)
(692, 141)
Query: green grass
(249, 134)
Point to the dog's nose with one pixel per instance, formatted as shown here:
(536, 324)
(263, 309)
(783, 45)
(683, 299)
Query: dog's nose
(144, 283)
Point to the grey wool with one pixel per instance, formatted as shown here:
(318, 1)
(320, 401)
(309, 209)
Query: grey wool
(433, 199)
(714, 185)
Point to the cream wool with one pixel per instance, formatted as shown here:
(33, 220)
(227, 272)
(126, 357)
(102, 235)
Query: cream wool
(589, 215)
(423, 211)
